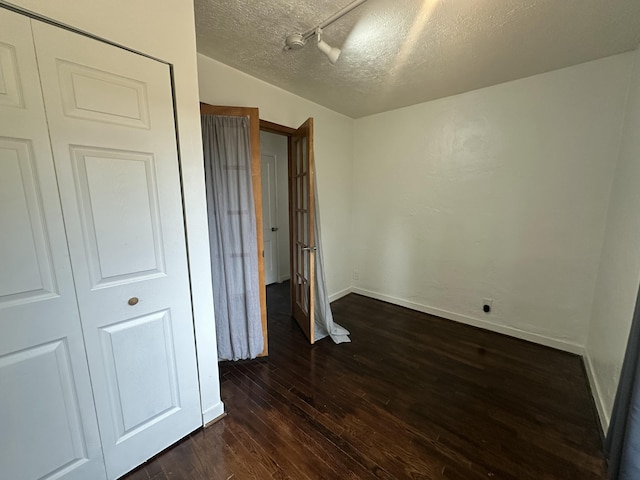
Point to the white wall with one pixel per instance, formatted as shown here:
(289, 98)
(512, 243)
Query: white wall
(276, 145)
(619, 274)
(164, 29)
(498, 193)
(223, 85)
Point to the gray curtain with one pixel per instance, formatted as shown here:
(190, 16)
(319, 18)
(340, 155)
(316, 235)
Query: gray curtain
(232, 232)
(622, 445)
(323, 318)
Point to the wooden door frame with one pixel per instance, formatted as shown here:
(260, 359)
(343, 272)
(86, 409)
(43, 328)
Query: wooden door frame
(256, 180)
(288, 132)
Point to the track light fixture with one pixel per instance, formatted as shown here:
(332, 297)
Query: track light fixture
(295, 41)
(331, 52)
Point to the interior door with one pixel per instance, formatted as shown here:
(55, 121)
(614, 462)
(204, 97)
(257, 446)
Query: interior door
(111, 121)
(48, 426)
(302, 227)
(256, 182)
(269, 218)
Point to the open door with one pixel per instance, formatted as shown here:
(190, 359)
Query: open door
(302, 211)
(256, 181)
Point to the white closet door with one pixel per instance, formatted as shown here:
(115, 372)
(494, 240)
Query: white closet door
(48, 427)
(110, 115)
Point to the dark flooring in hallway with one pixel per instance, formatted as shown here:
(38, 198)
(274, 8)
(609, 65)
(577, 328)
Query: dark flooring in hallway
(412, 397)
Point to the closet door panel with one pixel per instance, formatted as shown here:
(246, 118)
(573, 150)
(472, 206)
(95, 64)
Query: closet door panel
(110, 113)
(119, 206)
(47, 418)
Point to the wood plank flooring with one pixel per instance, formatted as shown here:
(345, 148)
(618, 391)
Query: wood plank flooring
(412, 397)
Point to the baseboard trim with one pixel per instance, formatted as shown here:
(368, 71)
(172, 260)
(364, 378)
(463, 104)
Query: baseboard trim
(215, 420)
(213, 413)
(476, 322)
(339, 295)
(596, 393)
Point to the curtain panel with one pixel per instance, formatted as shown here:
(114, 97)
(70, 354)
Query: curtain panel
(232, 232)
(622, 445)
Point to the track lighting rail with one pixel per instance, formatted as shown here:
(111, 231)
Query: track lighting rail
(336, 16)
(296, 41)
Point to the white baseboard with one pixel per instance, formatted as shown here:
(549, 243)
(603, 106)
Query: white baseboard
(340, 294)
(476, 322)
(213, 413)
(603, 416)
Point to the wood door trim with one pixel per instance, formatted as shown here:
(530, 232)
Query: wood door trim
(256, 180)
(276, 128)
(287, 132)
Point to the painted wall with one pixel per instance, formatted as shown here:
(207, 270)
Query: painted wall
(499, 193)
(619, 274)
(142, 26)
(223, 85)
(276, 145)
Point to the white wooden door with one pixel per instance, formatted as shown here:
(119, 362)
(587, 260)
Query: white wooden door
(269, 217)
(110, 115)
(48, 425)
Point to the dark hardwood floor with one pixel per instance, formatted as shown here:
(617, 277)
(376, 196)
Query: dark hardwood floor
(413, 396)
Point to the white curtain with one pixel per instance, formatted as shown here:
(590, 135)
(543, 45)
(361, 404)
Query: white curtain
(323, 318)
(232, 231)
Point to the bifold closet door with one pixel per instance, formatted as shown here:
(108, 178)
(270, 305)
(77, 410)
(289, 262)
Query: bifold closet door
(48, 425)
(111, 122)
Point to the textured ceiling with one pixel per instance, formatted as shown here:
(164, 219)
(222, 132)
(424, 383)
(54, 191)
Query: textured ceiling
(401, 52)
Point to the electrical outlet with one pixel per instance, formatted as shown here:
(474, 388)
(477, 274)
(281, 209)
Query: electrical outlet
(355, 275)
(487, 305)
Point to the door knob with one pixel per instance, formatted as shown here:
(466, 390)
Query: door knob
(274, 229)
(133, 301)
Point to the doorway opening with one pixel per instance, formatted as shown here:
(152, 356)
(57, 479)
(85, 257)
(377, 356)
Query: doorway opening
(300, 212)
(309, 300)
(275, 153)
